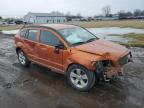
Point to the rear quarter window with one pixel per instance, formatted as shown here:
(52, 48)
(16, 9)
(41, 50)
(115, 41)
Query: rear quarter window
(23, 33)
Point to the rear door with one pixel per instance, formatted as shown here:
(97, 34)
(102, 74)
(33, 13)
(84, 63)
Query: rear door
(31, 42)
(46, 50)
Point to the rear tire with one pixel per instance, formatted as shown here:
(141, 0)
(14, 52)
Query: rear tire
(80, 78)
(23, 60)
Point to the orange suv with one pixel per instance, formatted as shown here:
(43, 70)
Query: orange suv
(73, 51)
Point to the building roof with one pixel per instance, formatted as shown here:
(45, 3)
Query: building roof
(54, 26)
(46, 14)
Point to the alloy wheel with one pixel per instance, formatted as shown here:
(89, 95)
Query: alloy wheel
(79, 78)
(22, 58)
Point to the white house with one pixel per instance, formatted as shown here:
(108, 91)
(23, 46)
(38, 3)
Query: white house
(53, 17)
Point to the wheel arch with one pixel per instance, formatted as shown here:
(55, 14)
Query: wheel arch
(75, 64)
(71, 65)
(22, 49)
(17, 49)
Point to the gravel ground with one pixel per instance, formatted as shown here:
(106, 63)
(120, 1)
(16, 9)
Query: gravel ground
(38, 87)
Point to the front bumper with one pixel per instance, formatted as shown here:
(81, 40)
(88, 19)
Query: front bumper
(117, 69)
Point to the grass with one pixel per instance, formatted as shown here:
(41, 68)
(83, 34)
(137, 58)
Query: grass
(133, 44)
(10, 27)
(137, 40)
(138, 37)
(117, 23)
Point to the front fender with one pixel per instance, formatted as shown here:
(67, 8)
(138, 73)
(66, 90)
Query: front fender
(84, 59)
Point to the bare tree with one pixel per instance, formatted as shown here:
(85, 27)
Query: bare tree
(137, 12)
(142, 13)
(123, 14)
(106, 10)
(68, 13)
(56, 13)
(78, 14)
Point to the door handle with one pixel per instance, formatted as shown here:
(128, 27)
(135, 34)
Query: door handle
(40, 45)
(25, 40)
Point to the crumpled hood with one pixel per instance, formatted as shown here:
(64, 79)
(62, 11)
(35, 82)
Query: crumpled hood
(104, 48)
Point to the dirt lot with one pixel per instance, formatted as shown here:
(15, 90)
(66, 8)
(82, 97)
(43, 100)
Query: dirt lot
(38, 87)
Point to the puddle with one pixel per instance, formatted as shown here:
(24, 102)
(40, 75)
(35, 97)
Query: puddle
(6, 47)
(116, 30)
(107, 33)
(138, 54)
(9, 31)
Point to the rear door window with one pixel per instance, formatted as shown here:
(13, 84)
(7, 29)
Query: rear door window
(32, 35)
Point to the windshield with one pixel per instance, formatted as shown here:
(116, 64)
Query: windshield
(77, 35)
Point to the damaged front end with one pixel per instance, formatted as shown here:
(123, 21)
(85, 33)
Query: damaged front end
(108, 69)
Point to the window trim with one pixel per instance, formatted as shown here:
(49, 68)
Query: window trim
(57, 34)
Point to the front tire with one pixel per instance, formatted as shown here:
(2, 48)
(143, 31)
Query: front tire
(80, 78)
(23, 60)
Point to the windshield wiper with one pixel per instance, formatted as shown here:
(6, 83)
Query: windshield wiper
(92, 39)
(78, 43)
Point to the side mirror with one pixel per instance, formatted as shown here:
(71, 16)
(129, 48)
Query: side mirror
(58, 47)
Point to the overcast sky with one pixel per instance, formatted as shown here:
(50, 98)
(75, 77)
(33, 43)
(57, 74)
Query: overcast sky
(85, 7)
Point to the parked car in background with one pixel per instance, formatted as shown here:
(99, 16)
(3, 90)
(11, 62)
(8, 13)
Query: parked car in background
(3, 23)
(19, 22)
(11, 23)
(72, 51)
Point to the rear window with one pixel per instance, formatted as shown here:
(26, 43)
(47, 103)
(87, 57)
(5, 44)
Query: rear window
(32, 35)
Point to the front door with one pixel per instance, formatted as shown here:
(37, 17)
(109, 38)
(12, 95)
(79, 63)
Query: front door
(46, 50)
